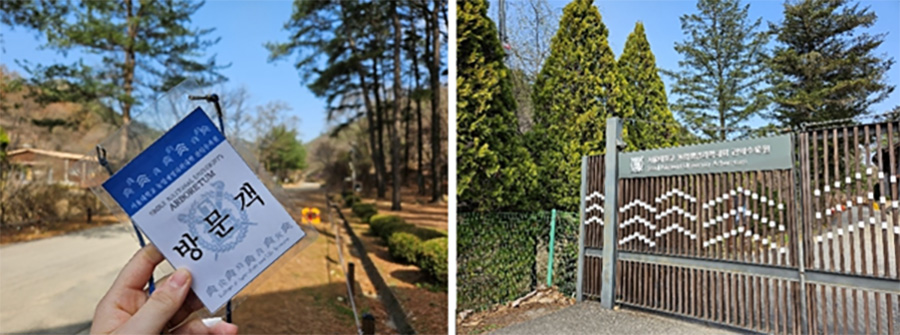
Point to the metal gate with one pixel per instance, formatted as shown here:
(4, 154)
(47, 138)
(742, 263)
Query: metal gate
(724, 233)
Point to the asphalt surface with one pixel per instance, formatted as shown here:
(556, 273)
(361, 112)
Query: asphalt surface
(589, 318)
(52, 286)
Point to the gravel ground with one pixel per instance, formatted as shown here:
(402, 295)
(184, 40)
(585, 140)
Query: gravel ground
(590, 318)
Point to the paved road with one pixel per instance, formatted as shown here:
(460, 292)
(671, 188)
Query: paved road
(590, 318)
(52, 285)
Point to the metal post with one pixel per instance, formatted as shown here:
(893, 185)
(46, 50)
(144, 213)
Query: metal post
(552, 239)
(368, 324)
(800, 223)
(608, 276)
(351, 277)
(579, 274)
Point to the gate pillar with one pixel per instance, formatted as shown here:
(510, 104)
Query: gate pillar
(611, 183)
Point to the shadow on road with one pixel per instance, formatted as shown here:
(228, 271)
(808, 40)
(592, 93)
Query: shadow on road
(75, 328)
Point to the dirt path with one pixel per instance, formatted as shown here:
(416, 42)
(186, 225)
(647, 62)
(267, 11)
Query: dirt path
(308, 294)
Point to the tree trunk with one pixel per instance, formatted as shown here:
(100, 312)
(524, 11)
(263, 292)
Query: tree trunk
(407, 116)
(435, 71)
(128, 76)
(370, 113)
(380, 168)
(395, 123)
(420, 168)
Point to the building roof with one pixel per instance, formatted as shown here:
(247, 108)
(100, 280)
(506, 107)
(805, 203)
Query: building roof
(51, 153)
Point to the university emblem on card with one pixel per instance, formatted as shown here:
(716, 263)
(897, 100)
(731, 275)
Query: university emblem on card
(217, 221)
(637, 164)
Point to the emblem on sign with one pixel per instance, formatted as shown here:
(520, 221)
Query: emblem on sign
(217, 221)
(637, 164)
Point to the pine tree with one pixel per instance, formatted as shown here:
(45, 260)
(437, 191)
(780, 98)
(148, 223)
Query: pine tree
(719, 85)
(826, 67)
(578, 87)
(347, 48)
(646, 96)
(494, 169)
(147, 47)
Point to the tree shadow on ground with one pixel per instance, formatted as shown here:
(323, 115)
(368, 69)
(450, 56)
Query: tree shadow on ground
(323, 309)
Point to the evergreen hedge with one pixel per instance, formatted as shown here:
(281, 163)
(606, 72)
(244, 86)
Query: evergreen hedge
(364, 211)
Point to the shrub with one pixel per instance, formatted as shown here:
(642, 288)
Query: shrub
(364, 211)
(382, 225)
(433, 258)
(350, 199)
(405, 246)
(423, 234)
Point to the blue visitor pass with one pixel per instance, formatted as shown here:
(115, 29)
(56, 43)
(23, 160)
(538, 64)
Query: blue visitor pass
(203, 207)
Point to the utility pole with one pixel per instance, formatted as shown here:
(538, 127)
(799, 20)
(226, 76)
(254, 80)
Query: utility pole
(501, 21)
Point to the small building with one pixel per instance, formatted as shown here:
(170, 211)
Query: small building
(54, 167)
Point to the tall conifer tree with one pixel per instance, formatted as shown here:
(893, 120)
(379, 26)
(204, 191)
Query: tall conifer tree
(646, 95)
(578, 87)
(826, 66)
(494, 168)
(720, 83)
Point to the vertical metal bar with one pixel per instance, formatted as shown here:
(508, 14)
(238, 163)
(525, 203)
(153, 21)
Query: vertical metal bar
(704, 216)
(849, 247)
(552, 240)
(613, 135)
(883, 207)
(600, 169)
(859, 203)
(893, 223)
(799, 228)
(766, 303)
(877, 314)
(579, 276)
(894, 196)
(869, 205)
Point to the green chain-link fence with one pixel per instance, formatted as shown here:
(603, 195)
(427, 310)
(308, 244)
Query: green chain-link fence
(503, 256)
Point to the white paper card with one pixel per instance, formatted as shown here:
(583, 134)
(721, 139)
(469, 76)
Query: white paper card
(204, 209)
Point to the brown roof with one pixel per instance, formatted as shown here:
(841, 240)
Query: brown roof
(51, 153)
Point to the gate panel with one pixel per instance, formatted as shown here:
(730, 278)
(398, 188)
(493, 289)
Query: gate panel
(594, 202)
(776, 243)
(747, 301)
(852, 226)
(739, 217)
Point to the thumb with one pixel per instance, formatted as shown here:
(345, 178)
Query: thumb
(161, 306)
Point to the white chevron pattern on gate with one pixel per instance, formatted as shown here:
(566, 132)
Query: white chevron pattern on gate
(593, 219)
(597, 206)
(711, 205)
(675, 191)
(676, 227)
(637, 202)
(677, 209)
(594, 207)
(643, 221)
(596, 194)
(640, 237)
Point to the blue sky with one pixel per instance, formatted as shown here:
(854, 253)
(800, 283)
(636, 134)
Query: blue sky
(243, 26)
(663, 29)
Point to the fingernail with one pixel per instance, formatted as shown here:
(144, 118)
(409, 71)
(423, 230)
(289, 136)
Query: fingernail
(179, 278)
(225, 328)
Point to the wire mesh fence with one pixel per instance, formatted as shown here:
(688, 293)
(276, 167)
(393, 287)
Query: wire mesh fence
(503, 256)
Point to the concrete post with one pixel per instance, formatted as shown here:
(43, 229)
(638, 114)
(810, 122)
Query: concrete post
(608, 275)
